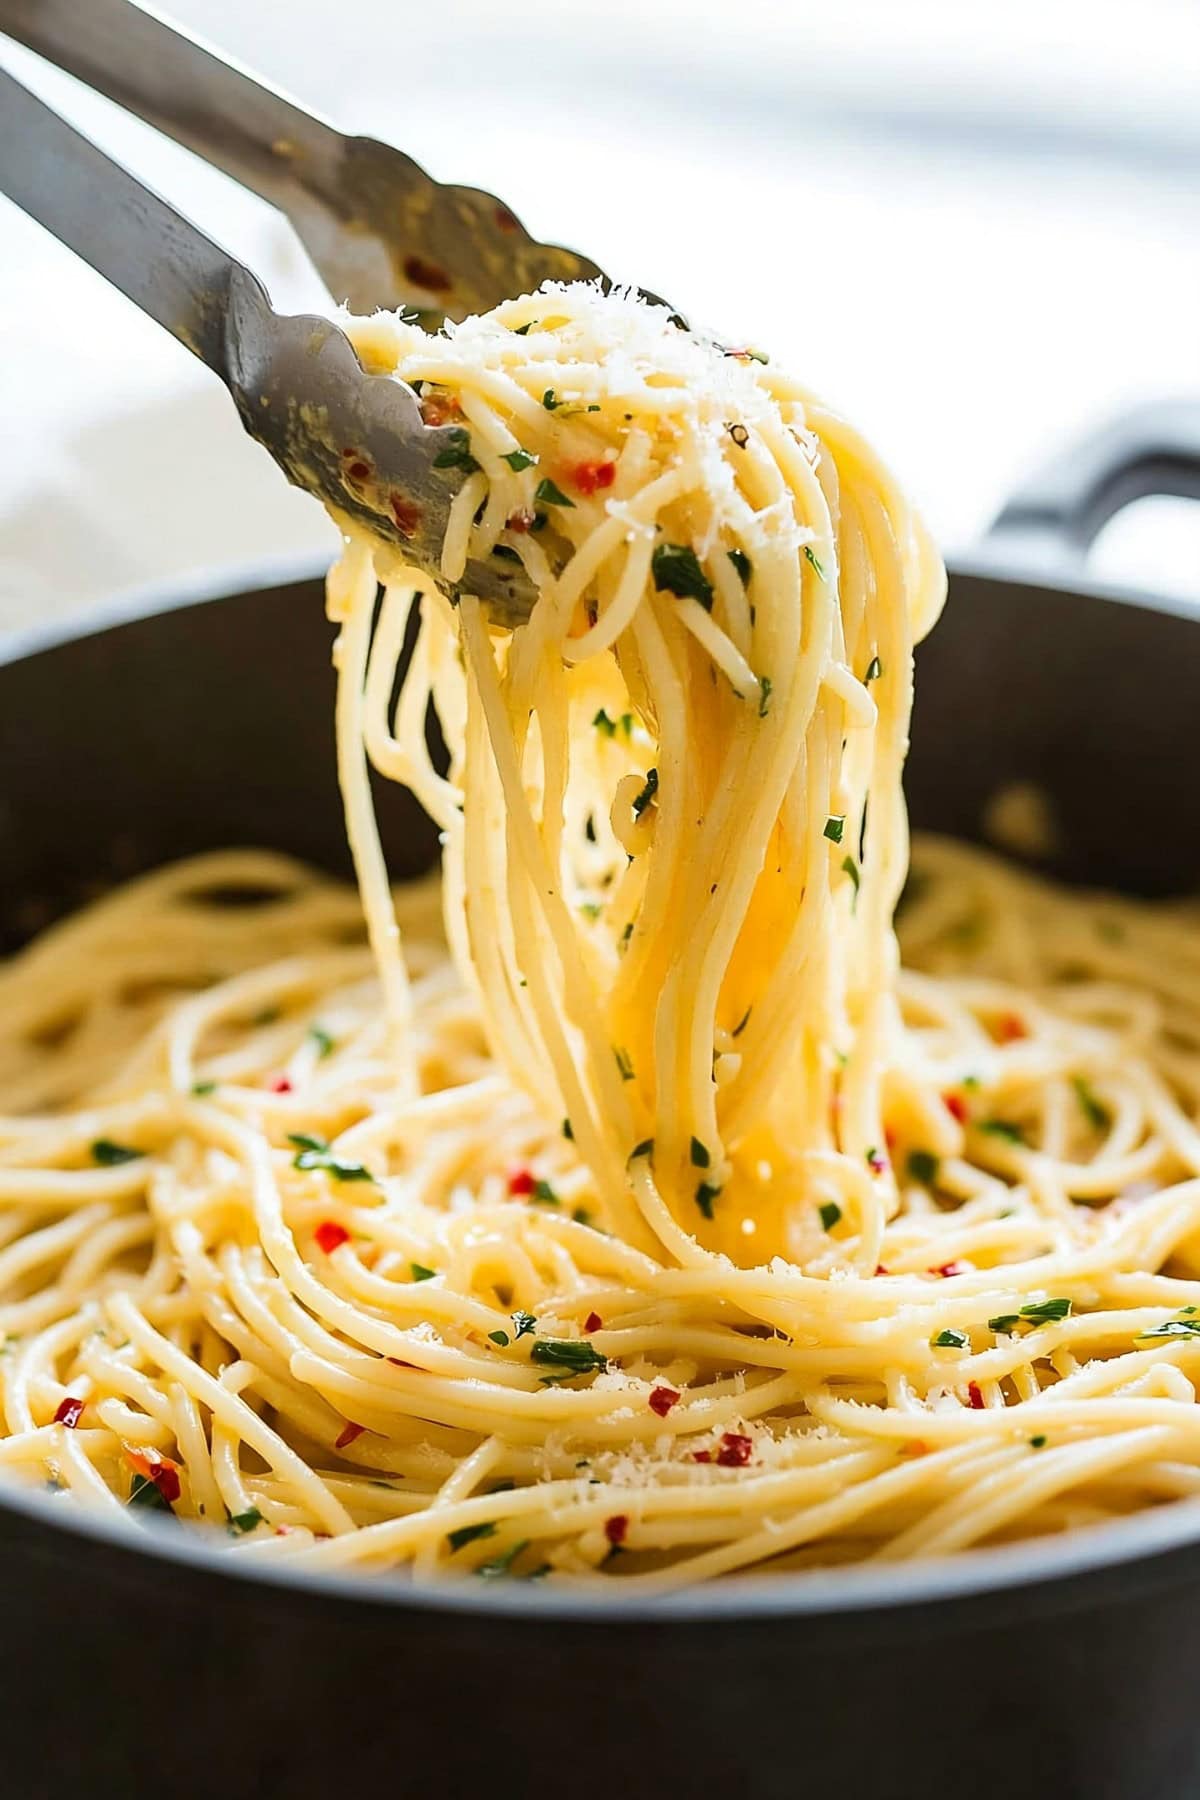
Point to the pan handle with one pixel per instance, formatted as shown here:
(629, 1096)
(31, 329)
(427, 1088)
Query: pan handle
(1057, 513)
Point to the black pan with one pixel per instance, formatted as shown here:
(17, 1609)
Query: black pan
(159, 1664)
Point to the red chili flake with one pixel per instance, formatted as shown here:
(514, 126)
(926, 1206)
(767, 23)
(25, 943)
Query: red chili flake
(615, 1528)
(284, 1530)
(889, 1137)
(69, 1413)
(1009, 1028)
(956, 1106)
(505, 220)
(358, 472)
(428, 275)
(879, 1269)
(519, 521)
(348, 1436)
(662, 1399)
(701, 1455)
(876, 1163)
(158, 1469)
(440, 409)
(951, 1268)
(330, 1235)
(593, 1322)
(406, 513)
(166, 1479)
(279, 1084)
(974, 1395)
(736, 1450)
(521, 1181)
(588, 477)
(914, 1447)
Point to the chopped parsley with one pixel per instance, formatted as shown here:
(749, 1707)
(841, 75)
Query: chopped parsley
(467, 1534)
(676, 570)
(457, 454)
(644, 799)
(951, 1338)
(1002, 1128)
(834, 827)
(1171, 1328)
(243, 1522)
(502, 1565)
(610, 727)
(315, 1153)
(1038, 1442)
(500, 1337)
(110, 1155)
(519, 459)
(544, 1194)
(874, 671)
(623, 1063)
(202, 1088)
(145, 1492)
(742, 564)
(706, 1193)
(323, 1041)
(548, 493)
(700, 1156)
(923, 1166)
(850, 867)
(550, 400)
(815, 560)
(1094, 1110)
(764, 695)
(421, 1273)
(1045, 1311)
(524, 1322)
(568, 1131)
(1037, 1312)
(572, 1354)
(831, 1214)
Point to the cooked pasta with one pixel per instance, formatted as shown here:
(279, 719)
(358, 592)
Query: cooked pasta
(614, 1207)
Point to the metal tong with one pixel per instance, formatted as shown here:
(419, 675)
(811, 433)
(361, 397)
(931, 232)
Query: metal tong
(381, 232)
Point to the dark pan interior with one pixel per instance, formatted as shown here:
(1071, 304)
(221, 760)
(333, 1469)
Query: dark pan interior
(210, 725)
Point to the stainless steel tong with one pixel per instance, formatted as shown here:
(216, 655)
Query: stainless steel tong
(381, 232)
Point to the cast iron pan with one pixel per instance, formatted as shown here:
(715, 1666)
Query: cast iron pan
(158, 1665)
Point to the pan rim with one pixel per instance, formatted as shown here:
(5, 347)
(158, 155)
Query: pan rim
(1049, 1564)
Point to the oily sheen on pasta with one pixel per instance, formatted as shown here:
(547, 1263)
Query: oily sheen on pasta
(613, 1209)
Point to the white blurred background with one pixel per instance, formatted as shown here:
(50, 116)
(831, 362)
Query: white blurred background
(973, 226)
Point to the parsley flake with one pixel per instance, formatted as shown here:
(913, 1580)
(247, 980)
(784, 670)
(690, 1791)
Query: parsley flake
(467, 1534)
(110, 1155)
(676, 570)
(550, 494)
(457, 454)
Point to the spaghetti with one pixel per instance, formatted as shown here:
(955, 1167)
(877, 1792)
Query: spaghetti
(619, 1210)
